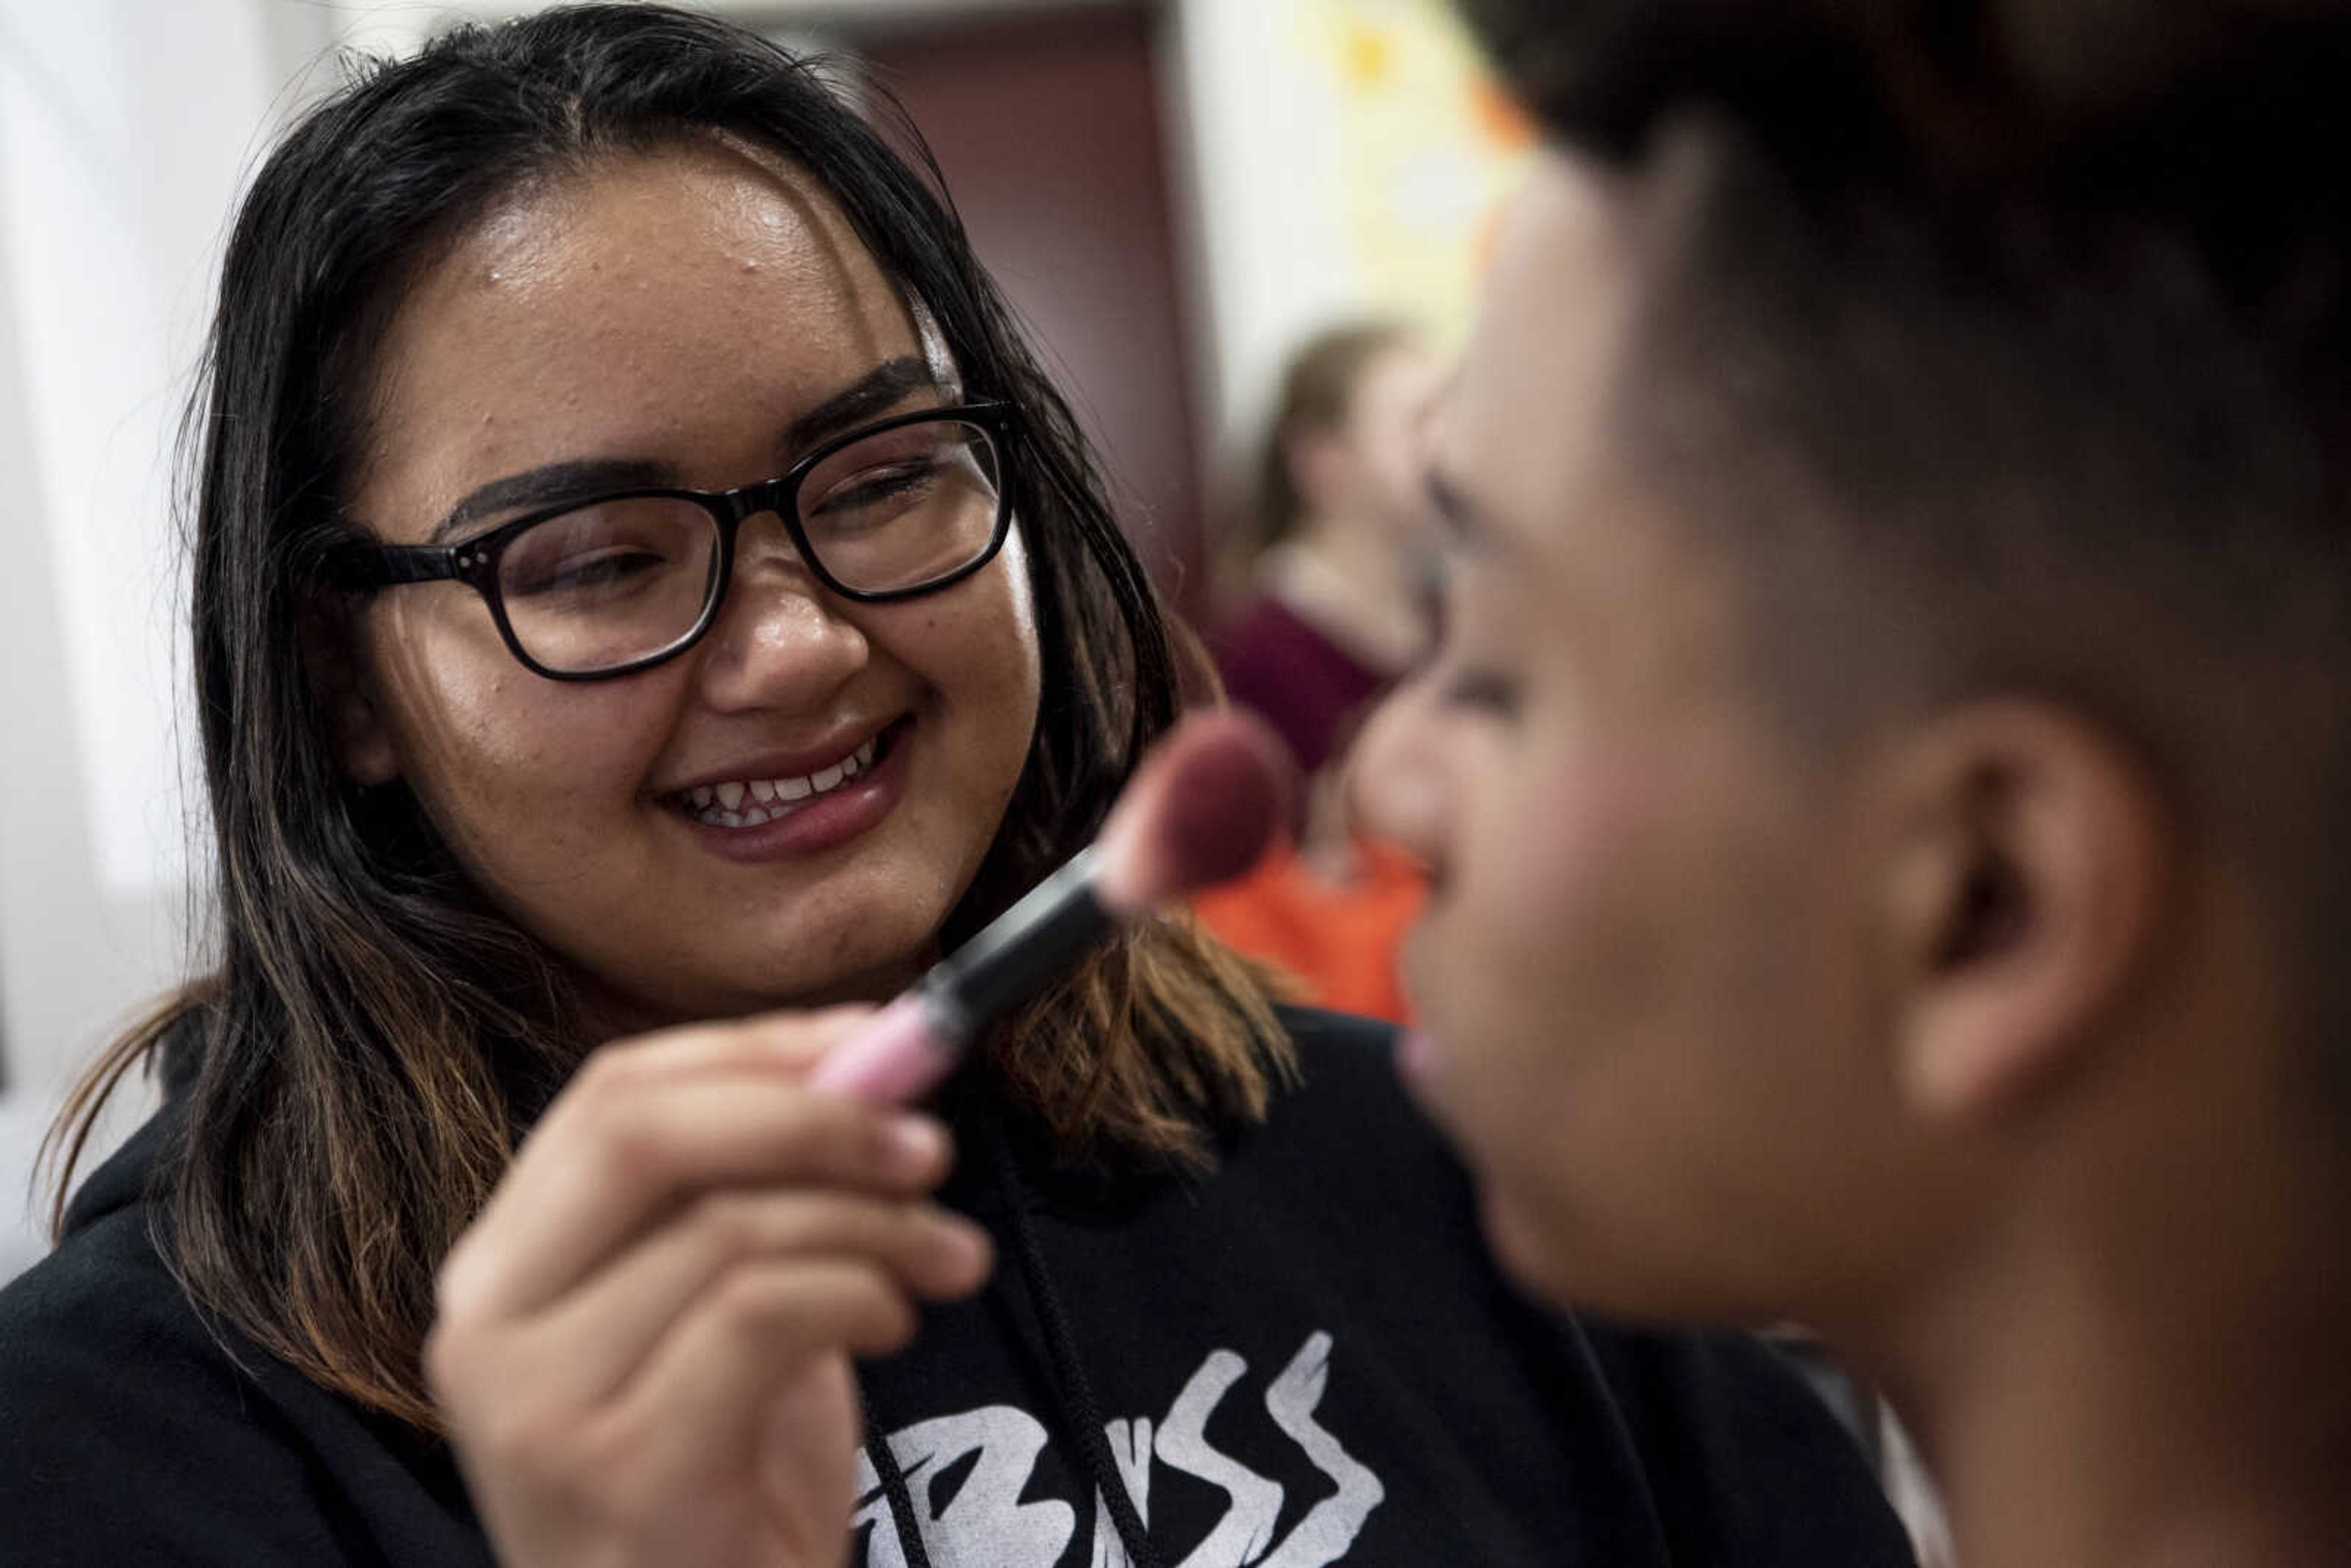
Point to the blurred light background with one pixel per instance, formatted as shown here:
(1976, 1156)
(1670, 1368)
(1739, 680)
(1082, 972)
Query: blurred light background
(1173, 192)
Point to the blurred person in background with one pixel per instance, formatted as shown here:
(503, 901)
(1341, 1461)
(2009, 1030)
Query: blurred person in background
(643, 582)
(1328, 579)
(1328, 575)
(1885, 773)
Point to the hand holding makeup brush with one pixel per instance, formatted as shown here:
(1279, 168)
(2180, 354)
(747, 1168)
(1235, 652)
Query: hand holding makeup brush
(643, 1345)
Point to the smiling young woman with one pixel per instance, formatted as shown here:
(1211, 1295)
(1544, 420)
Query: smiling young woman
(482, 859)
(642, 583)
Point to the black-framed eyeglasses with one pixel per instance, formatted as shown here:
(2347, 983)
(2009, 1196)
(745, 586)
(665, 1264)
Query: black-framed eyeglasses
(613, 583)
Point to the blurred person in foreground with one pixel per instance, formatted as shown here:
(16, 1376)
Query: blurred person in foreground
(1885, 773)
(1328, 576)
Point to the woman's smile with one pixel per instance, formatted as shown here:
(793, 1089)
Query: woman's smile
(780, 806)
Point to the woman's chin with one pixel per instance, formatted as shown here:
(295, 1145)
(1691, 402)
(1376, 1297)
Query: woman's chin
(618, 1012)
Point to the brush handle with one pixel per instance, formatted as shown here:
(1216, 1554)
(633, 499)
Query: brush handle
(896, 1056)
(908, 1047)
(1022, 950)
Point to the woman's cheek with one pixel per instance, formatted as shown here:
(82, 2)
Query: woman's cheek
(976, 640)
(1001, 655)
(1023, 653)
(525, 777)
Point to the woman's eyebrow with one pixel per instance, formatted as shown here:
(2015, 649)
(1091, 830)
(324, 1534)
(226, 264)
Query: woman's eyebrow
(875, 392)
(548, 485)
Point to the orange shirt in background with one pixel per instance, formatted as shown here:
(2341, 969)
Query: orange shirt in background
(1338, 939)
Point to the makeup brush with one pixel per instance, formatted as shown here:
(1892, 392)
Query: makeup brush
(1200, 809)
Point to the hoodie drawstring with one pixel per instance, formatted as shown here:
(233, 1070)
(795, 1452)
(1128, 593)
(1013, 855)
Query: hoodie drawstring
(1080, 1412)
(1080, 1408)
(899, 1496)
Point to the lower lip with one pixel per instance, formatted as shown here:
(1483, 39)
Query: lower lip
(820, 824)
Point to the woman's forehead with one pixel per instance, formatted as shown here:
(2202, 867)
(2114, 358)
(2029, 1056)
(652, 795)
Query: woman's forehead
(682, 216)
(631, 307)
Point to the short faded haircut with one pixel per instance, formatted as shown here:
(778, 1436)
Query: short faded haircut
(2007, 349)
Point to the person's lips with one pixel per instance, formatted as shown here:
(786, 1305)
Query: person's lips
(748, 793)
(739, 821)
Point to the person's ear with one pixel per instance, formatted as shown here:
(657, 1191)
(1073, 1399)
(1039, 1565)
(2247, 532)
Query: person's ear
(2019, 899)
(332, 661)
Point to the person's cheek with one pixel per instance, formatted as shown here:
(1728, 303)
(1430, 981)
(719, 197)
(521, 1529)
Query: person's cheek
(1560, 838)
(536, 787)
(1549, 951)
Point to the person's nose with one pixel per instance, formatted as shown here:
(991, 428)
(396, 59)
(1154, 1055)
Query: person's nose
(781, 640)
(1398, 785)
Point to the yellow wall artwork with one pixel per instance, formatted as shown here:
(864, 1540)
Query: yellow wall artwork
(1432, 149)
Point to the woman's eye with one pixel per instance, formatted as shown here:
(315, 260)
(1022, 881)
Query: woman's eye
(586, 574)
(876, 494)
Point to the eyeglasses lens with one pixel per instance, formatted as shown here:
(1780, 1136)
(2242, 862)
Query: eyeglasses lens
(903, 506)
(607, 584)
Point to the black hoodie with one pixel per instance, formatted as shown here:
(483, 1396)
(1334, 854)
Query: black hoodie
(1302, 1358)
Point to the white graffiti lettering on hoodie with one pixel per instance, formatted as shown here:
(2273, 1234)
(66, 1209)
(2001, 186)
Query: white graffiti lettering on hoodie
(986, 1525)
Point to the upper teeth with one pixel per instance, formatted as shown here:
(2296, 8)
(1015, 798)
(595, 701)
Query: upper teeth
(741, 802)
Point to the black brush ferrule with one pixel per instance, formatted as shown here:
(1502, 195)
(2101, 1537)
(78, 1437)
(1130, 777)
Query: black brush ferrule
(1021, 951)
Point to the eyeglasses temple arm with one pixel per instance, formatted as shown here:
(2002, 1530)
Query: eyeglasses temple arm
(359, 567)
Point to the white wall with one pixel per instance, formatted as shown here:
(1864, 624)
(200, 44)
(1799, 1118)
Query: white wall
(125, 126)
(1259, 130)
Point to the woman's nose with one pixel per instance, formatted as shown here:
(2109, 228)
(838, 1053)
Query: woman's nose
(780, 638)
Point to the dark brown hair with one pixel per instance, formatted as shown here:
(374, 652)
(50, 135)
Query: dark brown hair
(352, 1078)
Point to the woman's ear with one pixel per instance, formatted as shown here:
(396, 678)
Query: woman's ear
(331, 660)
(2019, 899)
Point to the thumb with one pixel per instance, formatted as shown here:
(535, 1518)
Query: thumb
(808, 1462)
